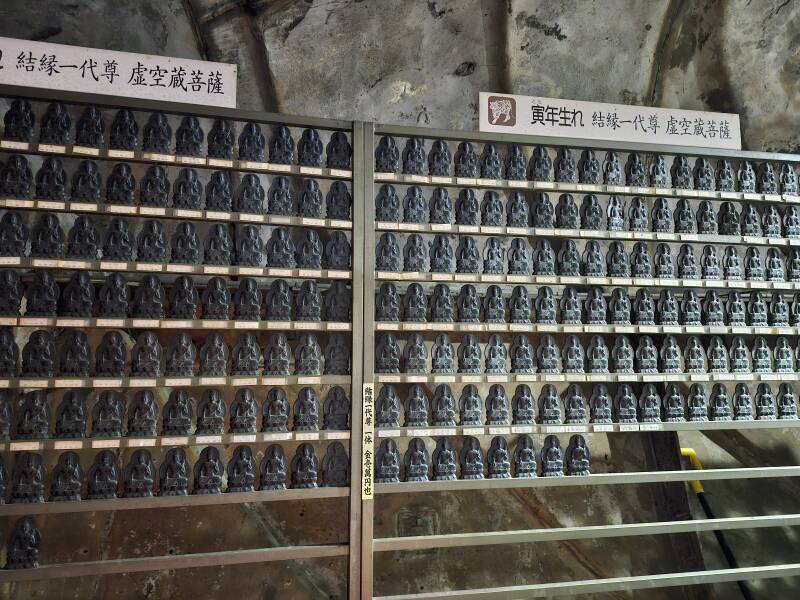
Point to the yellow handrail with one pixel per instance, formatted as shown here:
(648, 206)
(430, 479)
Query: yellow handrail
(689, 453)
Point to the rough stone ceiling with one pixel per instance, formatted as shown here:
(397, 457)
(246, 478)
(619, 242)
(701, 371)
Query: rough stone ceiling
(424, 61)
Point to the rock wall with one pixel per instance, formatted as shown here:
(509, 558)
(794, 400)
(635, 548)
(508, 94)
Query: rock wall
(423, 62)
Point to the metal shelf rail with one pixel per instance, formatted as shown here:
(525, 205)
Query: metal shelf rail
(101, 209)
(371, 546)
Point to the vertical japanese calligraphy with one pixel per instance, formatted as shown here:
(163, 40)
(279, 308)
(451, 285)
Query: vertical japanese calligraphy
(60, 67)
(368, 442)
(533, 115)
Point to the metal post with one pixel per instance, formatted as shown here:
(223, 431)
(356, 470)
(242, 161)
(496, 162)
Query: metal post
(368, 342)
(357, 369)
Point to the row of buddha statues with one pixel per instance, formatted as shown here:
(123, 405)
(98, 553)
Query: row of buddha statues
(733, 308)
(520, 356)
(577, 408)
(139, 478)
(566, 168)
(30, 417)
(470, 463)
(187, 191)
(22, 547)
(684, 217)
(91, 131)
(46, 239)
(437, 256)
(46, 354)
(147, 298)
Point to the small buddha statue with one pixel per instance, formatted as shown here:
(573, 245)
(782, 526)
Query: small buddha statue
(684, 217)
(413, 156)
(467, 256)
(243, 412)
(467, 210)
(597, 355)
(600, 405)
(309, 149)
(211, 413)
(177, 414)
(697, 403)
(635, 171)
(548, 355)
(625, 405)
(709, 263)
(154, 188)
(308, 356)
(19, 121)
(276, 411)
(415, 355)
(622, 355)
(142, 414)
(743, 409)
(731, 264)
(552, 457)
(517, 210)
(595, 307)
(220, 140)
(208, 471)
(724, 176)
(439, 160)
(469, 355)
(157, 134)
(703, 175)
(617, 263)
(523, 406)
(71, 416)
(646, 356)
(661, 216)
(55, 127)
(108, 414)
(442, 354)
(250, 195)
(543, 212)
(51, 180)
(519, 306)
(522, 355)
(387, 156)
(566, 212)
(252, 143)
(441, 206)
(187, 190)
(728, 219)
(570, 307)
(173, 474)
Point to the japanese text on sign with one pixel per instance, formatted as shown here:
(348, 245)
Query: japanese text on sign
(531, 115)
(368, 442)
(73, 68)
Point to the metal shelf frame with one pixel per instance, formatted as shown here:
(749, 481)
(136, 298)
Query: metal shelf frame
(173, 561)
(156, 502)
(354, 382)
(512, 185)
(149, 212)
(663, 475)
(610, 584)
(526, 536)
(586, 234)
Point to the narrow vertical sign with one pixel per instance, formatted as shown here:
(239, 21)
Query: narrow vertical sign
(368, 442)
